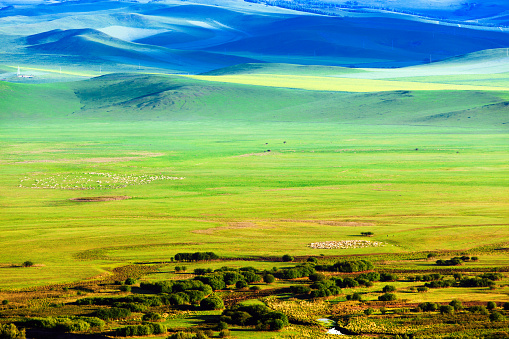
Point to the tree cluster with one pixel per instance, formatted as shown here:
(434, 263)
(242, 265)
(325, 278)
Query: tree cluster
(197, 256)
(347, 266)
(260, 316)
(141, 330)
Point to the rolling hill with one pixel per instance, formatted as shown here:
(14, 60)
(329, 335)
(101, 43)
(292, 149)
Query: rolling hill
(197, 37)
(125, 97)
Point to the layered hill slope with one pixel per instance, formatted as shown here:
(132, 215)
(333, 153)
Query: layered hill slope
(196, 37)
(124, 97)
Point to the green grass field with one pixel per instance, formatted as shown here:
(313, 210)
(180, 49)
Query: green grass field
(417, 188)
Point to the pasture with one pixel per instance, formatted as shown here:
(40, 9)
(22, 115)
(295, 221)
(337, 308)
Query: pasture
(417, 188)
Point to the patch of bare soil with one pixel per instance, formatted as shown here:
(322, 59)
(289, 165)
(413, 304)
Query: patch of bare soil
(104, 198)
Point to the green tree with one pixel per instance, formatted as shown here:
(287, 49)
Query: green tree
(213, 302)
(496, 316)
(269, 278)
(456, 304)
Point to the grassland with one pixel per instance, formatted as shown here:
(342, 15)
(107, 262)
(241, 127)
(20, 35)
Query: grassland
(340, 84)
(250, 171)
(418, 187)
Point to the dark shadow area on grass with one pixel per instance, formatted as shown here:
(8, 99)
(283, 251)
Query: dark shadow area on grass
(37, 333)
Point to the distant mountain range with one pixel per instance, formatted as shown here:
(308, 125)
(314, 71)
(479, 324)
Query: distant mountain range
(201, 36)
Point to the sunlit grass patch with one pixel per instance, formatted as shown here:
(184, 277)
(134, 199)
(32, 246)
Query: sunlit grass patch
(339, 84)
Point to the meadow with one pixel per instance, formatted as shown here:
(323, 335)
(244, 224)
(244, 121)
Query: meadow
(110, 178)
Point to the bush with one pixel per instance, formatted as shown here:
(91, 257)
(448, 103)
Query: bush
(389, 288)
(447, 309)
(300, 289)
(478, 309)
(224, 333)
(197, 256)
(144, 330)
(125, 288)
(369, 311)
(151, 316)
(269, 278)
(456, 304)
(317, 277)
(428, 307)
(130, 281)
(10, 331)
(241, 284)
(491, 305)
(212, 303)
(222, 326)
(387, 297)
(506, 306)
(496, 316)
(311, 259)
(355, 296)
(28, 263)
(287, 258)
(181, 335)
(388, 277)
(112, 313)
(422, 289)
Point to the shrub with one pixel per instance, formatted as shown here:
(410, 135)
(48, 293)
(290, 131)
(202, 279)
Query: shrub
(491, 305)
(355, 296)
(456, 304)
(130, 281)
(28, 263)
(388, 277)
(255, 288)
(181, 335)
(95, 322)
(446, 309)
(311, 259)
(383, 310)
(212, 303)
(496, 316)
(428, 307)
(369, 311)
(125, 288)
(241, 284)
(422, 289)
(222, 326)
(287, 258)
(506, 306)
(317, 277)
(151, 316)
(269, 278)
(389, 288)
(224, 333)
(197, 256)
(10, 331)
(5, 302)
(478, 309)
(387, 297)
(300, 289)
(112, 313)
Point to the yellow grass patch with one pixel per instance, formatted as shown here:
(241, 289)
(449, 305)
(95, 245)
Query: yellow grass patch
(320, 83)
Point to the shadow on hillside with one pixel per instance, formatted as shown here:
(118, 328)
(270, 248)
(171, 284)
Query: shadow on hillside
(37, 333)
